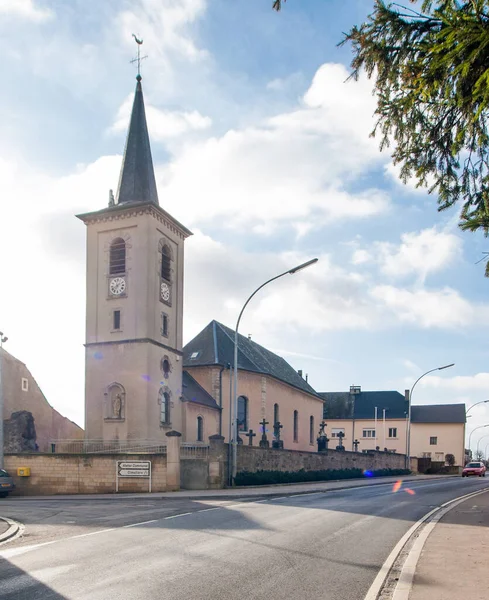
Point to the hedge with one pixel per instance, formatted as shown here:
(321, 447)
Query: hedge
(271, 477)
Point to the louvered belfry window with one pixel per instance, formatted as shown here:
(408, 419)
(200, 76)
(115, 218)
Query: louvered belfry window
(117, 257)
(166, 263)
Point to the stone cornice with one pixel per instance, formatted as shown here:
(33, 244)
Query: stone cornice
(135, 341)
(126, 211)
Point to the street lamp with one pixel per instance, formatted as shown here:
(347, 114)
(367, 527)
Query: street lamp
(480, 427)
(3, 339)
(479, 441)
(235, 398)
(408, 437)
(471, 407)
(485, 450)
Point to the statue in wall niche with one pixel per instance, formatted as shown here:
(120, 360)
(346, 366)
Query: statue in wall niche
(117, 406)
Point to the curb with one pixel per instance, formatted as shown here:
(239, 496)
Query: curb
(12, 531)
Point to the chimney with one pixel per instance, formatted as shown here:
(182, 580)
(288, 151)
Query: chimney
(355, 389)
(300, 372)
(249, 336)
(406, 395)
(307, 377)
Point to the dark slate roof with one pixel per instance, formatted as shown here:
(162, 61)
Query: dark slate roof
(194, 392)
(343, 405)
(214, 345)
(438, 413)
(137, 180)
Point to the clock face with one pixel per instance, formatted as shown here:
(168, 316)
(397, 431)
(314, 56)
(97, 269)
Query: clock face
(165, 292)
(117, 286)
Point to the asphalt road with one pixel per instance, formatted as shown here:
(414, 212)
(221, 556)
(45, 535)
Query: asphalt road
(317, 546)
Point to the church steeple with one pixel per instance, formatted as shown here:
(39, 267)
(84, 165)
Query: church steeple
(137, 180)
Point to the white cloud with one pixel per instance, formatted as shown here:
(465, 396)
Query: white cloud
(24, 9)
(444, 308)
(162, 124)
(293, 168)
(419, 253)
(460, 383)
(360, 257)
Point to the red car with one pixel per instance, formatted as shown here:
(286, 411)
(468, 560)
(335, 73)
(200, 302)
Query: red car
(474, 468)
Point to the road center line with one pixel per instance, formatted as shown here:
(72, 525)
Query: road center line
(208, 509)
(176, 516)
(142, 523)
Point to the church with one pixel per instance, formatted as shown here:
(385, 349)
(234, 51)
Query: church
(140, 383)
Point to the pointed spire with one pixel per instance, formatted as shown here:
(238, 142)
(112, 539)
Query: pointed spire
(137, 180)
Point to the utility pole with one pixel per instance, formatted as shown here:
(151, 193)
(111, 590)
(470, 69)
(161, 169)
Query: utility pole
(3, 339)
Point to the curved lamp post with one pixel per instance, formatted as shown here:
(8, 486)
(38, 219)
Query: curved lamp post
(408, 437)
(235, 394)
(485, 450)
(3, 339)
(476, 428)
(479, 441)
(471, 407)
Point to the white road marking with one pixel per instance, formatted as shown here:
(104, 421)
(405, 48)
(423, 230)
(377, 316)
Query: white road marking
(209, 509)
(82, 535)
(378, 582)
(405, 582)
(176, 516)
(142, 523)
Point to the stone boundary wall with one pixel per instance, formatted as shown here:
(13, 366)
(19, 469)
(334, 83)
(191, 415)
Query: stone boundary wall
(253, 459)
(53, 474)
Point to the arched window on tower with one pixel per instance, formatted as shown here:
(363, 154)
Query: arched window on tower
(117, 262)
(166, 263)
(296, 426)
(164, 400)
(311, 430)
(200, 429)
(276, 414)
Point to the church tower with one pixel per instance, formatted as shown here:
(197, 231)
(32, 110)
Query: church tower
(134, 303)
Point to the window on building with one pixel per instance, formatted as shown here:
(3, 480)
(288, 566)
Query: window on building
(433, 441)
(368, 433)
(296, 426)
(117, 263)
(200, 429)
(242, 413)
(166, 263)
(165, 407)
(276, 414)
(311, 430)
(116, 319)
(336, 430)
(164, 325)
(392, 432)
(426, 455)
(25, 384)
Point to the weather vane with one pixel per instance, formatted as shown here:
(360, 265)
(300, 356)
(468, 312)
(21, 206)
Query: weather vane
(139, 58)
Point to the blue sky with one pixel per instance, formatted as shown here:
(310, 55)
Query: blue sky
(262, 149)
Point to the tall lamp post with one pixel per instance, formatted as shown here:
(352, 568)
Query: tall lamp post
(408, 437)
(3, 339)
(235, 394)
(471, 407)
(475, 429)
(479, 441)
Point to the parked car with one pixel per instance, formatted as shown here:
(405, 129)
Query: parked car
(6, 484)
(474, 468)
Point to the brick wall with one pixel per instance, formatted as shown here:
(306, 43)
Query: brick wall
(252, 459)
(81, 474)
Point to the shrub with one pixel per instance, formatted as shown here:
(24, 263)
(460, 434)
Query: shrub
(272, 477)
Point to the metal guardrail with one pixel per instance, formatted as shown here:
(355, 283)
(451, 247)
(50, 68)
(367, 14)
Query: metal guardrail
(104, 447)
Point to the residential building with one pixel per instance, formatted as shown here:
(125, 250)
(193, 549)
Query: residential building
(268, 387)
(21, 392)
(378, 419)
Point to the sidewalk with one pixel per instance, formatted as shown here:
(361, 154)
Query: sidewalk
(453, 562)
(244, 492)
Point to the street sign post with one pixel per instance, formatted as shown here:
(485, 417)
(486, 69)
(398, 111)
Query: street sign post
(132, 469)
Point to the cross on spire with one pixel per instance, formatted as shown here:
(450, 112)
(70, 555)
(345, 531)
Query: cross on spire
(138, 58)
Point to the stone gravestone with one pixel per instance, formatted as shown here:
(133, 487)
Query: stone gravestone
(340, 446)
(277, 442)
(322, 438)
(250, 435)
(356, 443)
(264, 443)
